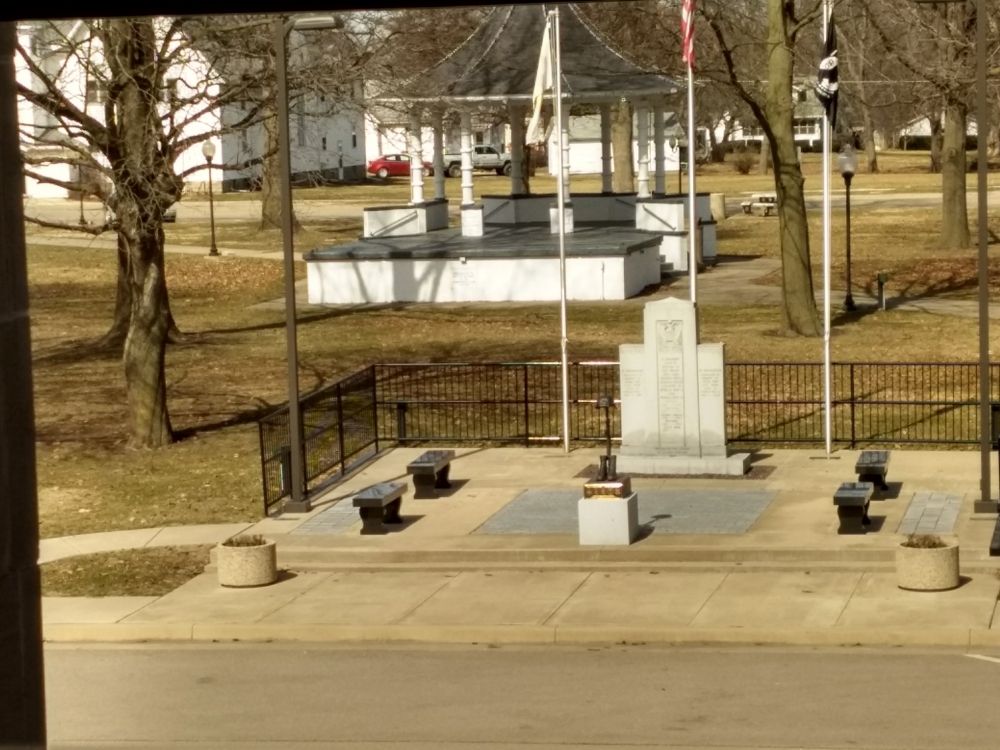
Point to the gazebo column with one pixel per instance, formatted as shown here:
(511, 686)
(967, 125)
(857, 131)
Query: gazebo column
(472, 214)
(416, 159)
(607, 185)
(515, 113)
(439, 154)
(642, 113)
(467, 197)
(658, 136)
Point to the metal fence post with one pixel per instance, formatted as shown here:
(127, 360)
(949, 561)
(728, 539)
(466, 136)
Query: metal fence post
(401, 421)
(285, 470)
(527, 429)
(853, 434)
(375, 422)
(340, 429)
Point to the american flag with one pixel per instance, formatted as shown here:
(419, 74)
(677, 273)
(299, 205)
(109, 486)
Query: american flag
(687, 31)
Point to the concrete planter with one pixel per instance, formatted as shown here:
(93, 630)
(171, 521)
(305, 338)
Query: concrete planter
(927, 569)
(243, 567)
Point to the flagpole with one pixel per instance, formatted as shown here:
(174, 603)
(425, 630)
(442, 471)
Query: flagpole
(561, 209)
(827, 241)
(692, 197)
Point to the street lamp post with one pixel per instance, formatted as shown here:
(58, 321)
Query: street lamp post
(208, 151)
(299, 501)
(847, 162)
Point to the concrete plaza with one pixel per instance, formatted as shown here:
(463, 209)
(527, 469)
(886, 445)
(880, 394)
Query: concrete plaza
(754, 560)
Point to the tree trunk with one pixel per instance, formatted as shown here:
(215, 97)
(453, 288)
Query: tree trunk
(145, 347)
(937, 140)
(718, 147)
(115, 337)
(146, 184)
(623, 177)
(870, 151)
(764, 163)
(954, 212)
(798, 309)
(270, 184)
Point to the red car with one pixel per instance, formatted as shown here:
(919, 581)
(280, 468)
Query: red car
(395, 165)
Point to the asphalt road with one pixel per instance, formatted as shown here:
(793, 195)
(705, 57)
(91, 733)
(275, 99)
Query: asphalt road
(281, 697)
(232, 211)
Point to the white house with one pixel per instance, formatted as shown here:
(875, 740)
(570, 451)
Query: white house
(327, 142)
(327, 139)
(72, 57)
(386, 133)
(917, 132)
(585, 144)
(807, 122)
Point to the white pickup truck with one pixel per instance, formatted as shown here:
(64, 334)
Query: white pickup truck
(487, 158)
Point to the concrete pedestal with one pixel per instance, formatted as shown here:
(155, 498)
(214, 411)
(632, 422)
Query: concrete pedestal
(472, 220)
(554, 219)
(609, 521)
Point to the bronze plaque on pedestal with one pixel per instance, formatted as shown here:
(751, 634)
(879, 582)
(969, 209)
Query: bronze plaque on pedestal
(610, 488)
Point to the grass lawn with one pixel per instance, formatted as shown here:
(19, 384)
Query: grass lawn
(901, 241)
(899, 172)
(231, 366)
(152, 571)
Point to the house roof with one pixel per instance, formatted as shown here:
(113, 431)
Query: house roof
(499, 62)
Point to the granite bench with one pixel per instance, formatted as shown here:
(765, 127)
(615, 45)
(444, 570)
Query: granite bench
(430, 473)
(852, 499)
(378, 505)
(872, 466)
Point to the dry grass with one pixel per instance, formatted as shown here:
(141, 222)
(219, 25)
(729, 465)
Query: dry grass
(231, 367)
(902, 242)
(248, 236)
(152, 571)
(899, 172)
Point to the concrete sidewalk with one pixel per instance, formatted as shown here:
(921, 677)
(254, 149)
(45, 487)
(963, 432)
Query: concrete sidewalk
(496, 559)
(798, 608)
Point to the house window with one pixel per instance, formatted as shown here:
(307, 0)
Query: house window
(802, 95)
(479, 138)
(301, 128)
(97, 91)
(354, 140)
(323, 146)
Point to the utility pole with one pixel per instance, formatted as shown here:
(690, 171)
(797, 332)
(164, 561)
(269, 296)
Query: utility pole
(22, 689)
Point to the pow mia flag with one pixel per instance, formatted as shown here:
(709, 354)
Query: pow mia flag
(826, 83)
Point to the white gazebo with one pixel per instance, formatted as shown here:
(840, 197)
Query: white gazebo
(505, 243)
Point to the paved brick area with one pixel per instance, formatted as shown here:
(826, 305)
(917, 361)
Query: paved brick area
(334, 520)
(682, 511)
(931, 513)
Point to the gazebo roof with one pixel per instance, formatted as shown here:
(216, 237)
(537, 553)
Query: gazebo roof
(499, 62)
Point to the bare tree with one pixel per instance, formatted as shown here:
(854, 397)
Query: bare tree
(936, 44)
(755, 54)
(125, 99)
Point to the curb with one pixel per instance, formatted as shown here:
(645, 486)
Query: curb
(516, 634)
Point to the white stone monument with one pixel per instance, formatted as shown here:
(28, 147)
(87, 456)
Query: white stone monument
(673, 407)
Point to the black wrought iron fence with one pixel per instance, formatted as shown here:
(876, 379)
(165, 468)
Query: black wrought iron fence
(872, 403)
(766, 403)
(339, 430)
(498, 402)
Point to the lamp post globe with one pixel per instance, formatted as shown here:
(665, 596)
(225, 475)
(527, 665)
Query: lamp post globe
(208, 151)
(847, 163)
